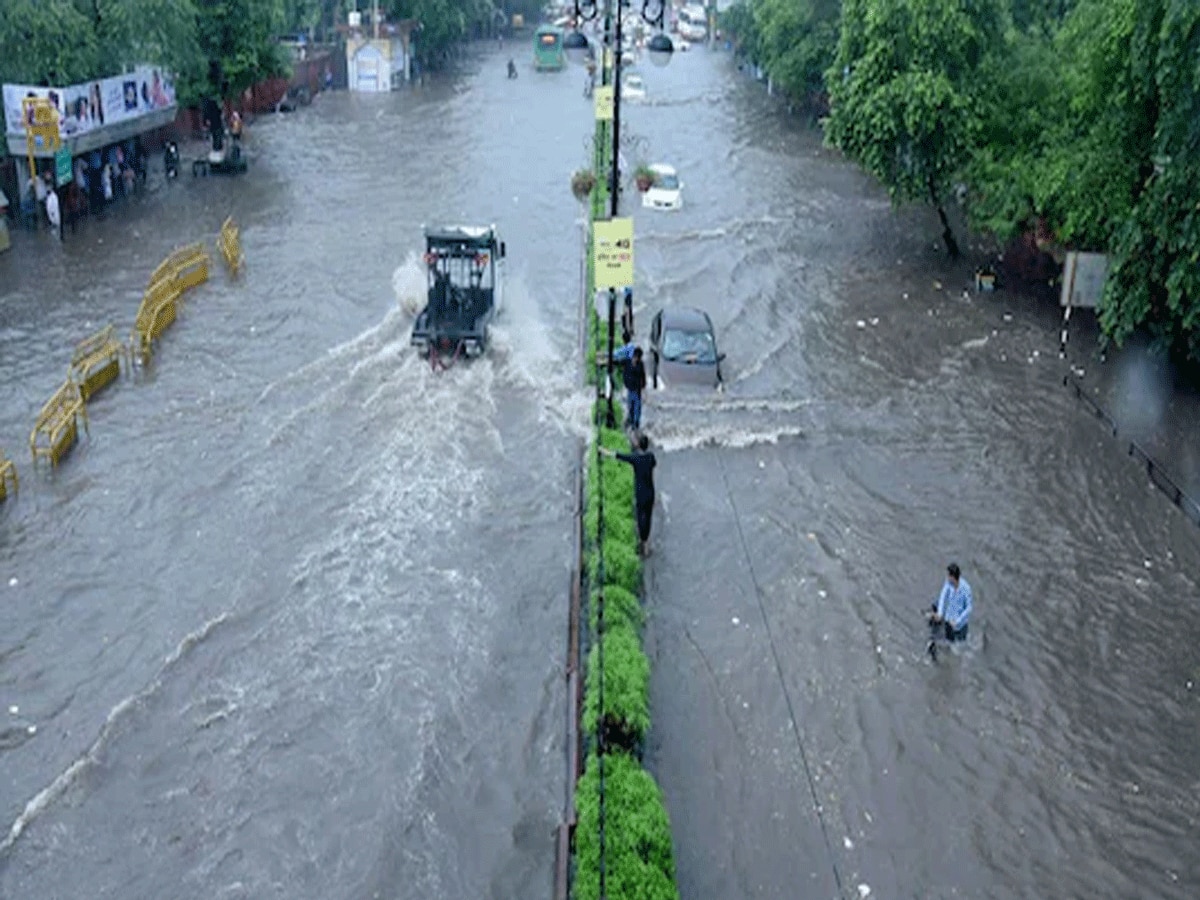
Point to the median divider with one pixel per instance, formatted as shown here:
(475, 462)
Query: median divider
(636, 847)
(620, 830)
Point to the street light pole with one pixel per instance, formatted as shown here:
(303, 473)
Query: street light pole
(653, 12)
(614, 34)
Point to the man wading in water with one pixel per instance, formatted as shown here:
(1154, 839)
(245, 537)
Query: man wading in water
(643, 463)
(953, 606)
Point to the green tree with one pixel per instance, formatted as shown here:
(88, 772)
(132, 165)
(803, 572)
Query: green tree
(128, 32)
(738, 24)
(1154, 279)
(47, 42)
(1023, 99)
(905, 89)
(444, 23)
(797, 42)
(237, 37)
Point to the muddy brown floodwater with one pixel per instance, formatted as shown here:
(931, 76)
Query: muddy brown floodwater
(291, 621)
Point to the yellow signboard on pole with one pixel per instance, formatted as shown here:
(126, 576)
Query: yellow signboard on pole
(41, 127)
(604, 102)
(612, 252)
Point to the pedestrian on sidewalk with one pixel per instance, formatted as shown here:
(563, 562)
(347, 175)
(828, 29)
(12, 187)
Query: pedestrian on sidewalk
(953, 606)
(53, 213)
(643, 462)
(634, 375)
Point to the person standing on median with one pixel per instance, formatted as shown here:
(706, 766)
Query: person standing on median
(643, 462)
(634, 375)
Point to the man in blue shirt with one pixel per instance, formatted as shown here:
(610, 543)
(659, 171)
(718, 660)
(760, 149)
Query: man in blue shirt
(953, 606)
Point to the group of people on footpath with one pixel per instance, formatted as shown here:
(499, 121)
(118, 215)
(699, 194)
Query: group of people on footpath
(98, 178)
(640, 456)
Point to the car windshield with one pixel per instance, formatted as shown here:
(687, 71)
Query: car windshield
(666, 182)
(689, 346)
(633, 81)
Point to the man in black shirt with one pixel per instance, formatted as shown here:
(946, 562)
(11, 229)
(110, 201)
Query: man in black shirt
(635, 382)
(643, 463)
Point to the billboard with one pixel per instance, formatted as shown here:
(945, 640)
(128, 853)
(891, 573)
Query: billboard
(84, 107)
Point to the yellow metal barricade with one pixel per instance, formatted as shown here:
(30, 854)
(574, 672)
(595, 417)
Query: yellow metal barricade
(155, 314)
(57, 427)
(187, 266)
(96, 362)
(229, 242)
(8, 477)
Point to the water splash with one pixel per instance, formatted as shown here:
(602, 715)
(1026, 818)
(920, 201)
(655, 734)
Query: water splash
(409, 285)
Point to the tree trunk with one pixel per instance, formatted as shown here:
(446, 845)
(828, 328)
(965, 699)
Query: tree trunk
(947, 233)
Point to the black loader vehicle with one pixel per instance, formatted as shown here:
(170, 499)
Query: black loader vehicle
(465, 273)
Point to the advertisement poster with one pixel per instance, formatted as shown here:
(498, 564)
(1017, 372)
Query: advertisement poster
(82, 107)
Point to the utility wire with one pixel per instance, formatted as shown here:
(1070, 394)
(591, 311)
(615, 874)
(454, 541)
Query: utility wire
(758, 596)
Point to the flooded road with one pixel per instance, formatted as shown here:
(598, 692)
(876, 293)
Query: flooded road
(292, 621)
(879, 423)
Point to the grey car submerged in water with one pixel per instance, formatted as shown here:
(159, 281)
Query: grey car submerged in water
(683, 348)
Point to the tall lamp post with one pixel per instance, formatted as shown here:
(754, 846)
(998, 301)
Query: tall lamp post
(578, 49)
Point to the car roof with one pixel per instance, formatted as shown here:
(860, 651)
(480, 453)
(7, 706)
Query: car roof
(686, 318)
(663, 169)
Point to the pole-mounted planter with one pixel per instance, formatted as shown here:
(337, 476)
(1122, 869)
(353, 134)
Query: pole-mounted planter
(582, 184)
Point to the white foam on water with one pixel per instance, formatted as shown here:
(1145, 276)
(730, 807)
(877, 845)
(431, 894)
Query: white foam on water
(680, 437)
(410, 285)
(59, 786)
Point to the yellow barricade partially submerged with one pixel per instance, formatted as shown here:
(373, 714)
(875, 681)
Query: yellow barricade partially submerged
(8, 477)
(56, 430)
(185, 268)
(154, 315)
(188, 266)
(229, 242)
(96, 362)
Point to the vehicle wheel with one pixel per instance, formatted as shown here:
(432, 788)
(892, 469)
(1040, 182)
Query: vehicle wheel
(654, 370)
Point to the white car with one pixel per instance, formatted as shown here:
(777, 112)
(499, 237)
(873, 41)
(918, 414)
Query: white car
(633, 88)
(667, 190)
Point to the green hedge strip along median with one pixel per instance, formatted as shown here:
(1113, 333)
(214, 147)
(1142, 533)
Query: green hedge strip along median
(638, 857)
(626, 689)
(640, 863)
(621, 607)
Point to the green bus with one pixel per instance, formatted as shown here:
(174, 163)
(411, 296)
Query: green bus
(548, 48)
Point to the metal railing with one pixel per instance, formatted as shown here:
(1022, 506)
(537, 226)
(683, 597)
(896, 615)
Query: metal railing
(1158, 475)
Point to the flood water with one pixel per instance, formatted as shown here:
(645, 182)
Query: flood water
(291, 620)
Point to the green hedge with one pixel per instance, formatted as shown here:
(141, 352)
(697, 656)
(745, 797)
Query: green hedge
(626, 688)
(639, 860)
(620, 607)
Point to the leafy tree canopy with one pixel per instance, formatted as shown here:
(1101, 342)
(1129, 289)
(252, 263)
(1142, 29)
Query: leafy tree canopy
(905, 91)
